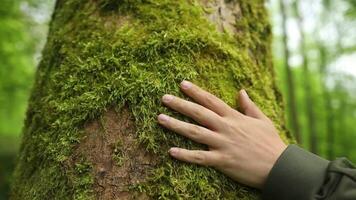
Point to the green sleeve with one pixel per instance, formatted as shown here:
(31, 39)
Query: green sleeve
(340, 181)
(301, 175)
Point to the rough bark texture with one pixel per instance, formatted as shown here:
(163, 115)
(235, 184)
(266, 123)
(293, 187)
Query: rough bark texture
(91, 129)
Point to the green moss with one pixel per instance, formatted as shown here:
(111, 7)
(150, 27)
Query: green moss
(131, 53)
(119, 155)
(82, 181)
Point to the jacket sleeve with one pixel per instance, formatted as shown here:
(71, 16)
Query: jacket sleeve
(301, 175)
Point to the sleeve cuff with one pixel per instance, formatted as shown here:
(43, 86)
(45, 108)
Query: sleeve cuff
(297, 174)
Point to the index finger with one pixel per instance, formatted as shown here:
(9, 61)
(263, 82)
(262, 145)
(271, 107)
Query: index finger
(205, 98)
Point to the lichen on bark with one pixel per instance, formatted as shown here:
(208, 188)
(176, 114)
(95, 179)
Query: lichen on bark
(109, 55)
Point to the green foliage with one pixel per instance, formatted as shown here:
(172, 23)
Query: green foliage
(131, 54)
(16, 66)
(83, 181)
(342, 112)
(16, 75)
(352, 8)
(332, 91)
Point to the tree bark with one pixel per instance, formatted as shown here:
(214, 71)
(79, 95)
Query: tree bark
(91, 130)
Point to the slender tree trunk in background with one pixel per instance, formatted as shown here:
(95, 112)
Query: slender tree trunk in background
(8, 88)
(91, 130)
(329, 112)
(341, 137)
(344, 131)
(307, 83)
(290, 80)
(324, 59)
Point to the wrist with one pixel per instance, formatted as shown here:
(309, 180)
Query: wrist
(276, 154)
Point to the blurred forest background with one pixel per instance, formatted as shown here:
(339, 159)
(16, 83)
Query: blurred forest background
(315, 60)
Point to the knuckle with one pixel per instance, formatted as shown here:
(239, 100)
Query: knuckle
(178, 103)
(200, 158)
(171, 121)
(197, 111)
(179, 127)
(174, 125)
(196, 90)
(208, 99)
(195, 131)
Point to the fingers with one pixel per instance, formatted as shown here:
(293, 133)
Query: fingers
(205, 98)
(194, 132)
(249, 107)
(199, 113)
(207, 158)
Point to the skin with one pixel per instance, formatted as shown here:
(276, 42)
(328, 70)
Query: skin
(243, 145)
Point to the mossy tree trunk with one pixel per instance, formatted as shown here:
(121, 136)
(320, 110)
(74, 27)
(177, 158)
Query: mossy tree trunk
(91, 130)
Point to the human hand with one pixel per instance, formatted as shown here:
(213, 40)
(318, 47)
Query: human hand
(243, 146)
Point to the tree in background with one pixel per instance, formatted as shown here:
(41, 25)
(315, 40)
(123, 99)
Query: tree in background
(329, 111)
(291, 98)
(323, 69)
(16, 69)
(344, 111)
(16, 63)
(328, 39)
(91, 127)
(309, 96)
(331, 83)
(20, 34)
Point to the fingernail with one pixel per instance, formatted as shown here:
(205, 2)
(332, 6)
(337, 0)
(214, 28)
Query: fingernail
(244, 93)
(167, 98)
(186, 84)
(163, 118)
(173, 151)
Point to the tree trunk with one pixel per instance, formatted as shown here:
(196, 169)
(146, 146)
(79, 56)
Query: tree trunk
(291, 100)
(309, 102)
(91, 130)
(329, 110)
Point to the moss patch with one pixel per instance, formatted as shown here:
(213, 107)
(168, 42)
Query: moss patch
(119, 155)
(131, 52)
(82, 180)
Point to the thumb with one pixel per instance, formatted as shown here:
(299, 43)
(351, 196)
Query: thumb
(248, 107)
